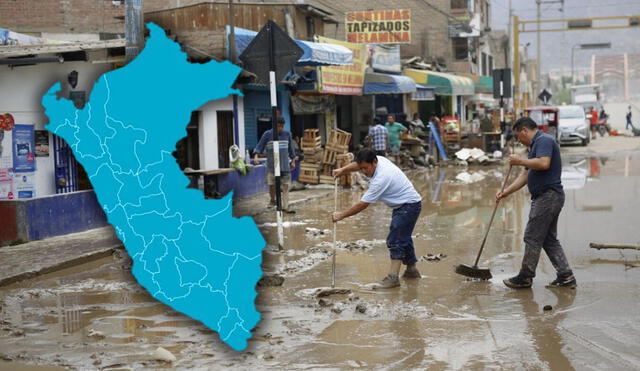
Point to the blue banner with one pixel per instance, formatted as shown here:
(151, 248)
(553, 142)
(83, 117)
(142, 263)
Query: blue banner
(24, 144)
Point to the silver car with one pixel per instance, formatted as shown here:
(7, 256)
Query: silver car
(573, 126)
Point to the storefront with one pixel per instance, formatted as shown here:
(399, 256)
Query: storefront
(389, 92)
(43, 191)
(450, 92)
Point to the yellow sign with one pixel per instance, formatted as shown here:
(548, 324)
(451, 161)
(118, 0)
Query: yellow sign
(344, 80)
(378, 26)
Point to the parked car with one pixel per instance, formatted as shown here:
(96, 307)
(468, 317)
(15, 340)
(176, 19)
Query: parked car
(573, 125)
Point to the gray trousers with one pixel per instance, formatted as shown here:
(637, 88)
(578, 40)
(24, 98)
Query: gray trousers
(542, 233)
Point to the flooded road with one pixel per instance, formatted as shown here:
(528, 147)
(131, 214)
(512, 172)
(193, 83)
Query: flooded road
(95, 316)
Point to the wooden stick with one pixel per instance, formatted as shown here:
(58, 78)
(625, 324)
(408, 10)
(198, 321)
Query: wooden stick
(335, 225)
(607, 246)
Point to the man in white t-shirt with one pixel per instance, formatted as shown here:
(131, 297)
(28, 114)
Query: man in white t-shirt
(389, 185)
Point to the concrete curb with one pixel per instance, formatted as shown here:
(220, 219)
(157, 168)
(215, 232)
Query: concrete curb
(56, 266)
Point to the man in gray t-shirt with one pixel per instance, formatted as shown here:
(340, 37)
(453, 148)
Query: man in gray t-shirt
(389, 185)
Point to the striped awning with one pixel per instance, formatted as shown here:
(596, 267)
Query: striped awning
(444, 83)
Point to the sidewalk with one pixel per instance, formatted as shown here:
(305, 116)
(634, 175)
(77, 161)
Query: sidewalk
(35, 258)
(256, 205)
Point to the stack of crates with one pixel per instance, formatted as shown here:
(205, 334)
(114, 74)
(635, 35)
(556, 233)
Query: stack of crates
(312, 148)
(337, 144)
(346, 180)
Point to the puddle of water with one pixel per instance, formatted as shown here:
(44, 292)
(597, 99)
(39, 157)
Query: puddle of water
(95, 315)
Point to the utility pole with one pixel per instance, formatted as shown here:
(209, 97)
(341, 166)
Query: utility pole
(510, 33)
(133, 19)
(538, 55)
(233, 57)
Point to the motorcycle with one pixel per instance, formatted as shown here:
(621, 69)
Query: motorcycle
(602, 126)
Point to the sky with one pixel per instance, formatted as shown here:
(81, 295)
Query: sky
(556, 46)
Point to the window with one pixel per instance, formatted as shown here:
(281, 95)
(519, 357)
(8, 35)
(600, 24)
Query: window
(460, 48)
(225, 137)
(459, 4)
(485, 64)
(490, 68)
(311, 27)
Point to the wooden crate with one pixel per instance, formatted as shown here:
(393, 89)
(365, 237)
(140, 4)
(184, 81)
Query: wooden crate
(309, 173)
(337, 148)
(344, 159)
(329, 157)
(311, 141)
(311, 144)
(340, 137)
(314, 157)
(326, 179)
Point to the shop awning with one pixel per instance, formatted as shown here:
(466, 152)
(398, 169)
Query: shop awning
(315, 54)
(381, 83)
(424, 92)
(483, 84)
(445, 83)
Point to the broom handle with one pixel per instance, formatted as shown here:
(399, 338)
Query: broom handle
(335, 208)
(504, 184)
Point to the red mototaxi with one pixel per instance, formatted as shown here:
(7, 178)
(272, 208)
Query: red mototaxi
(546, 117)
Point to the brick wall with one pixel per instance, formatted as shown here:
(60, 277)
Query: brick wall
(74, 16)
(429, 28)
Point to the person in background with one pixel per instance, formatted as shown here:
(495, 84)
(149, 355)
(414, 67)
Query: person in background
(417, 122)
(379, 137)
(285, 173)
(629, 124)
(593, 120)
(395, 130)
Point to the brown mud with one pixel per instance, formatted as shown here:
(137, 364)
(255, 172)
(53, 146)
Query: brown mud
(95, 316)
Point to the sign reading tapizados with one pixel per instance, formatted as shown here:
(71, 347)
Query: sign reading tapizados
(378, 26)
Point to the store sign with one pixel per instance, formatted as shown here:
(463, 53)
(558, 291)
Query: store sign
(386, 58)
(344, 80)
(378, 26)
(42, 143)
(6, 184)
(24, 185)
(24, 144)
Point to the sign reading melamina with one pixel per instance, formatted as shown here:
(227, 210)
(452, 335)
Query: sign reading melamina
(344, 80)
(379, 27)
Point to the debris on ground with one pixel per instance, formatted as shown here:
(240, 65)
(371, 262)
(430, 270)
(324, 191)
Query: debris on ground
(296, 186)
(161, 354)
(547, 308)
(359, 245)
(95, 334)
(432, 257)
(599, 246)
(313, 255)
(322, 292)
(269, 280)
(315, 232)
(468, 178)
(361, 308)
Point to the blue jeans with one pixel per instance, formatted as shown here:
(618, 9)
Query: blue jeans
(399, 241)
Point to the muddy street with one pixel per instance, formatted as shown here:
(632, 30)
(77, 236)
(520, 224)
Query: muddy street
(95, 316)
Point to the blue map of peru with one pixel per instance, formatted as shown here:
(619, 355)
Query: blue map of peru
(188, 252)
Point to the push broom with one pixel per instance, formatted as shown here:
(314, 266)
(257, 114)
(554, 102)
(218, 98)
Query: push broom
(475, 271)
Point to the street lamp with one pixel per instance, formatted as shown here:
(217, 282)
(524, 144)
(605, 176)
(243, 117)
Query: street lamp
(586, 46)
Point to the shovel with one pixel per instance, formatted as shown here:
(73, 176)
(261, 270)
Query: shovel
(475, 271)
